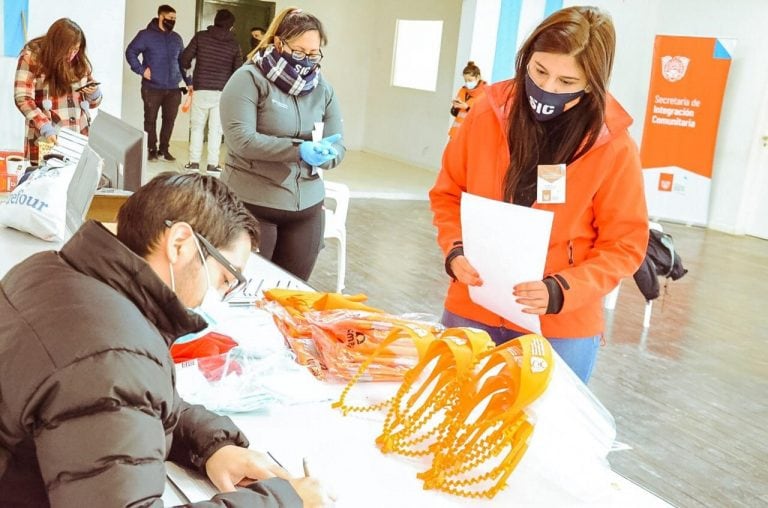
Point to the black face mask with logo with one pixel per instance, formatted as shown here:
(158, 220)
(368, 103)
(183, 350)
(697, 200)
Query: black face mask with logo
(302, 67)
(547, 105)
(168, 24)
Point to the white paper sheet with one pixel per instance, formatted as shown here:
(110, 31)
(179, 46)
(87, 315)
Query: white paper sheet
(507, 244)
(193, 485)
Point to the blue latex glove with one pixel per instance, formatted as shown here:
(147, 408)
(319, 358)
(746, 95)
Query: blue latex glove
(318, 153)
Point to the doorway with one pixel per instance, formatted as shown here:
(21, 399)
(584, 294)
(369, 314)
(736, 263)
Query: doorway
(248, 13)
(754, 209)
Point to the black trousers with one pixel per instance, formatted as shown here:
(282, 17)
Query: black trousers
(291, 240)
(169, 100)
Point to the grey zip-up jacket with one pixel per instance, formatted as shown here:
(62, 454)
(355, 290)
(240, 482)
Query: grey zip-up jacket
(263, 127)
(89, 410)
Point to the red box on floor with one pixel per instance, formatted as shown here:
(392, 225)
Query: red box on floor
(7, 179)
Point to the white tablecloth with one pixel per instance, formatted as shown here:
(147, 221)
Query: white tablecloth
(342, 449)
(16, 246)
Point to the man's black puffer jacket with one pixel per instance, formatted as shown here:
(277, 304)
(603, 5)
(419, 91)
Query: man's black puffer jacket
(88, 406)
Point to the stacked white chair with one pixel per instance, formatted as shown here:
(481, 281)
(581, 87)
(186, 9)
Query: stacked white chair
(336, 226)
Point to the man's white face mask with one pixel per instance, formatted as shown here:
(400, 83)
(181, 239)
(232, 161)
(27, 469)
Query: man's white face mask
(213, 301)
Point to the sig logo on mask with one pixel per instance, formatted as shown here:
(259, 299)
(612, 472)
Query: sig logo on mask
(541, 108)
(302, 70)
(547, 105)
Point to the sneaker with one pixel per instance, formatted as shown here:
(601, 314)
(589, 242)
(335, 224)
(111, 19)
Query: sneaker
(213, 169)
(152, 155)
(192, 166)
(167, 155)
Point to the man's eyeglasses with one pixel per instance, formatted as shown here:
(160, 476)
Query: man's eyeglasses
(209, 250)
(313, 58)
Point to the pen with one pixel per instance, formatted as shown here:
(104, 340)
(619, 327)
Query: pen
(242, 303)
(305, 464)
(256, 291)
(273, 458)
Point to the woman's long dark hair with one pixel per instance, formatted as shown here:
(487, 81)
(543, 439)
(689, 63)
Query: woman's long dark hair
(587, 34)
(50, 56)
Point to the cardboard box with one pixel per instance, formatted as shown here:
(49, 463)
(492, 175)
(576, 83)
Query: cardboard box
(7, 178)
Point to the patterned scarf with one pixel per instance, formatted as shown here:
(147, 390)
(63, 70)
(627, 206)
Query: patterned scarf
(285, 76)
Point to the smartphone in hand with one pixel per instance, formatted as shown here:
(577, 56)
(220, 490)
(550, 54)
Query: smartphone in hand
(90, 83)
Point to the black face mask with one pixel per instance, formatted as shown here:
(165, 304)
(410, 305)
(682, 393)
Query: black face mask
(168, 24)
(547, 105)
(303, 67)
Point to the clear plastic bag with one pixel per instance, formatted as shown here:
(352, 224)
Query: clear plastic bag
(572, 436)
(234, 381)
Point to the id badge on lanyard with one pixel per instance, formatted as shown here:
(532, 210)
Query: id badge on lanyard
(550, 183)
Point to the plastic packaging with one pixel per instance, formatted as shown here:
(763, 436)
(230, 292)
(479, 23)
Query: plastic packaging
(233, 381)
(334, 334)
(482, 421)
(187, 103)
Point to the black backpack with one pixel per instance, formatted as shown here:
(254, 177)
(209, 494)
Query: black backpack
(661, 260)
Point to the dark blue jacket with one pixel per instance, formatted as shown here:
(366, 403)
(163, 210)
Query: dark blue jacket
(217, 55)
(161, 52)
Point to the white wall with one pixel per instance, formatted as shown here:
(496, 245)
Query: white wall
(138, 13)
(403, 124)
(12, 124)
(637, 23)
(410, 125)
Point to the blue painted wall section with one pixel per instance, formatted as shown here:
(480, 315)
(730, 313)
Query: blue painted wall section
(552, 6)
(506, 40)
(13, 29)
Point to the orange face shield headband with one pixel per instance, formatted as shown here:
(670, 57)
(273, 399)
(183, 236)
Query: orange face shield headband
(463, 404)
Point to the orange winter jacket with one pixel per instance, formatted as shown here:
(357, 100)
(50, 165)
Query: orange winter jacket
(470, 97)
(599, 235)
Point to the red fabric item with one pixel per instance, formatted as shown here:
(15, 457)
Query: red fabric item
(210, 344)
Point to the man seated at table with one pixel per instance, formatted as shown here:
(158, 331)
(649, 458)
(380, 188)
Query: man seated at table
(88, 406)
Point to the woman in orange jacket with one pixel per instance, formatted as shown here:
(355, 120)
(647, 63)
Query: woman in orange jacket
(555, 111)
(473, 89)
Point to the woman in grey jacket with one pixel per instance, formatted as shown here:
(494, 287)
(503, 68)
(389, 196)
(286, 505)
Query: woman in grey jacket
(269, 109)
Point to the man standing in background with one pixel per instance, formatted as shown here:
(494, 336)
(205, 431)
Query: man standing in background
(160, 68)
(217, 55)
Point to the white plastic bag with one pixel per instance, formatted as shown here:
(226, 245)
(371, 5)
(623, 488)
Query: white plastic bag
(236, 382)
(38, 205)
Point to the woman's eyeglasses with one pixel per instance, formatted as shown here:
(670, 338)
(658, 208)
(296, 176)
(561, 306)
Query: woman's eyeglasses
(313, 58)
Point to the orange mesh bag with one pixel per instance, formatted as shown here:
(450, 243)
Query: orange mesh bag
(288, 308)
(338, 333)
(347, 339)
(397, 334)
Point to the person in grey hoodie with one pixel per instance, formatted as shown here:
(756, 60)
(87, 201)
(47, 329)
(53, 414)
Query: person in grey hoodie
(269, 109)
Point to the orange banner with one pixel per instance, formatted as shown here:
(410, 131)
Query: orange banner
(685, 96)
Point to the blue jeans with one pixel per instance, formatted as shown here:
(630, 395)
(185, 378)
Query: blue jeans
(579, 354)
